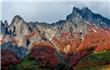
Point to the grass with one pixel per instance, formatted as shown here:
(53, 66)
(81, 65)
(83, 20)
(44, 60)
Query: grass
(27, 64)
(96, 56)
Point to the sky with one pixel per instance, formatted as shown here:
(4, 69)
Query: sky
(49, 10)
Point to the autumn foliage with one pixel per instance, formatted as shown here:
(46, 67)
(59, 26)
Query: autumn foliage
(74, 46)
(45, 55)
(68, 42)
(68, 48)
(8, 57)
(97, 38)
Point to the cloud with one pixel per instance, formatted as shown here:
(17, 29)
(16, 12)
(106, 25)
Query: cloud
(49, 11)
(0, 10)
(54, 0)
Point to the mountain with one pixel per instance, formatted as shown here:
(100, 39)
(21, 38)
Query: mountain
(66, 41)
(72, 23)
(89, 16)
(76, 22)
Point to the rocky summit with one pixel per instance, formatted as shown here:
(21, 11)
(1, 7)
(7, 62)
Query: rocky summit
(82, 40)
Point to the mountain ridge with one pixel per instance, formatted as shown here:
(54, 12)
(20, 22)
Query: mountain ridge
(84, 10)
(67, 44)
(75, 22)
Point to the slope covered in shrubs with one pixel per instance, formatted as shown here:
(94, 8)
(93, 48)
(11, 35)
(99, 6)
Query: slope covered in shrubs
(69, 51)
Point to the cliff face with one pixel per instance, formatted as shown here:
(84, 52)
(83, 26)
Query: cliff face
(76, 22)
(81, 30)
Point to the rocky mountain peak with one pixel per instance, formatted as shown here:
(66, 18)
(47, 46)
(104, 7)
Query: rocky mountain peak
(6, 23)
(75, 10)
(78, 11)
(18, 26)
(86, 14)
(75, 13)
(86, 9)
(17, 19)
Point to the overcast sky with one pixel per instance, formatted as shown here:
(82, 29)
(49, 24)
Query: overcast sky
(49, 11)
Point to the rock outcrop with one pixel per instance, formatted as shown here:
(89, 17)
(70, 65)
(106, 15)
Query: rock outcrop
(61, 42)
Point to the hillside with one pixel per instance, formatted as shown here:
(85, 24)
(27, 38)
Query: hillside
(81, 41)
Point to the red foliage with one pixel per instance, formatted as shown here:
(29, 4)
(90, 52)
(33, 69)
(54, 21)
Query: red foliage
(77, 56)
(98, 38)
(90, 63)
(1, 41)
(14, 41)
(45, 55)
(42, 43)
(8, 57)
(63, 44)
